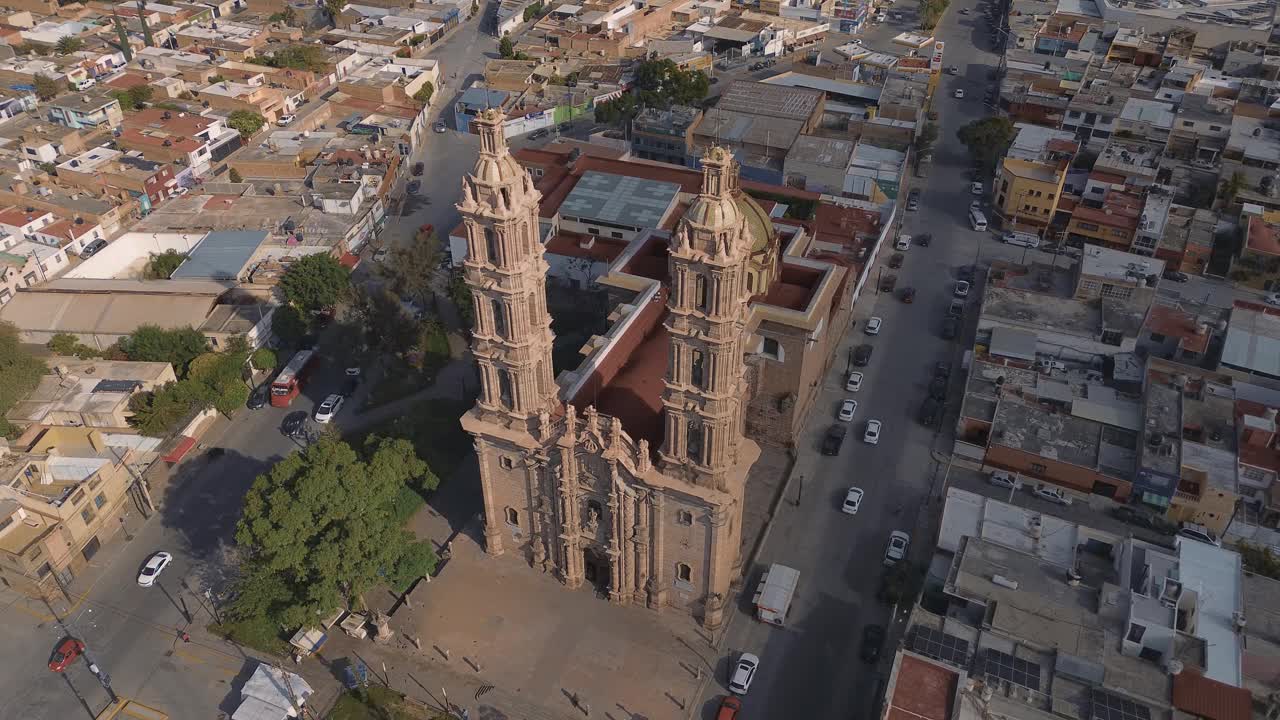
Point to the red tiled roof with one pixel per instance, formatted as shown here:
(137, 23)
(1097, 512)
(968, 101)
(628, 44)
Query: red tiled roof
(17, 218)
(794, 287)
(835, 224)
(569, 244)
(1209, 698)
(1173, 322)
(127, 80)
(1262, 237)
(628, 382)
(922, 690)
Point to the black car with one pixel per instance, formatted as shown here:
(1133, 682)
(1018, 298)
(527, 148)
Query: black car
(930, 412)
(350, 384)
(942, 369)
(950, 328)
(414, 186)
(538, 134)
(872, 641)
(938, 388)
(895, 260)
(259, 397)
(1175, 276)
(418, 169)
(92, 249)
(834, 438)
(293, 422)
(923, 239)
(908, 295)
(1134, 516)
(965, 273)
(862, 355)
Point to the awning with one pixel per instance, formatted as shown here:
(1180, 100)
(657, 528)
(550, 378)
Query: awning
(179, 451)
(349, 261)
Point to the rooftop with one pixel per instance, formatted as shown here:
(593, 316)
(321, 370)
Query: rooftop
(827, 152)
(1253, 339)
(1103, 262)
(778, 101)
(89, 387)
(220, 255)
(1037, 431)
(620, 200)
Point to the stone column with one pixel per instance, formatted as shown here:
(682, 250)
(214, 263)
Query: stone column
(626, 554)
(657, 580)
(492, 528)
(570, 524)
(615, 541)
(717, 577)
(537, 468)
(641, 544)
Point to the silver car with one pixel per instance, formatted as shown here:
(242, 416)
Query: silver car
(899, 541)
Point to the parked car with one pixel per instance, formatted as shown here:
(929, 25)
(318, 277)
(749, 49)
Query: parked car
(950, 328)
(1134, 516)
(953, 70)
(329, 408)
(903, 242)
(834, 438)
(1175, 276)
(930, 412)
(942, 369)
(259, 397)
(440, 127)
(872, 641)
(730, 706)
(852, 501)
(896, 551)
(538, 134)
(965, 272)
(743, 673)
(65, 654)
(862, 355)
(847, 410)
(872, 434)
(414, 186)
(418, 168)
(1199, 533)
(938, 388)
(873, 326)
(854, 383)
(285, 120)
(381, 254)
(293, 422)
(1004, 479)
(956, 309)
(975, 188)
(1269, 298)
(959, 93)
(153, 567)
(913, 201)
(92, 249)
(923, 239)
(895, 260)
(1052, 493)
(961, 289)
(888, 282)
(908, 295)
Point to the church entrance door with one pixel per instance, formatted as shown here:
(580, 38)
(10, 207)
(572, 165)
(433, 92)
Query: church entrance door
(596, 569)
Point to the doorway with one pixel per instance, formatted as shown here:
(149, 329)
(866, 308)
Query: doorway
(595, 568)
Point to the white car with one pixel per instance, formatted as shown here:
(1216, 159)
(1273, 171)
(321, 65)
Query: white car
(975, 188)
(962, 289)
(897, 550)
(285, 120)
(328, 408)
(873, 326)
(1199, 533)
(872, 435)
(1004, 479)
(903, 242)
(743, 672)
(1052, 494)
(959, 93)
(854, 383)
(1271, 298)
(155, 565)
(852, 501)
(848, 409)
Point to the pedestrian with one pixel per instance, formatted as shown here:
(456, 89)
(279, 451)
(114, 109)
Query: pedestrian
(185, 637)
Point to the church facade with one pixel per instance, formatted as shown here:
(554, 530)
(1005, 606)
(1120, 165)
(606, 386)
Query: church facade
(574, 489)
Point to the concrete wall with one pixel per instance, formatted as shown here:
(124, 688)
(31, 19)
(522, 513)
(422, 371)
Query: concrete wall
(128, 254)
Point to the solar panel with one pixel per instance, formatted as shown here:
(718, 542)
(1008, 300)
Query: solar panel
(116, 385)
(995, 664)
(1106, 706)
(938, 645)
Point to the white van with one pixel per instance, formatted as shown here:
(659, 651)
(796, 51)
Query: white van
(977, 220)
(1022, 239)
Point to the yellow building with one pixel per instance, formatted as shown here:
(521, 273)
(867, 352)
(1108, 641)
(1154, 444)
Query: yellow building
(1027, 192)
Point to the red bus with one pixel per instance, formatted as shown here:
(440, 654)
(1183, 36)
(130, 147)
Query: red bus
(289, 382)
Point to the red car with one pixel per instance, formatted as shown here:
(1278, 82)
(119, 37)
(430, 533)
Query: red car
(65, 654)
(729, 708)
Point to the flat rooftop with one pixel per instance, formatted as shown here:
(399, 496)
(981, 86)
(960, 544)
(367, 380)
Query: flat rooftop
(1099, 261)
(779, 101)
(221, 255)
(1036, 431)
(1253, 340)
(620, 200)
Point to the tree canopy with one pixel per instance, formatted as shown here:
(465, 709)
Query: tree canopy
(46, 87)
(411, 266)
(150, 343)
(987, 139)
(68, 44)
(20, 373)
(321, 527)
(316, 282)
(213, 380)
(662, 83)
(925, 139)
(246, 122)
(296, 57)
(135, 98)
(161, 266)
(506, 48)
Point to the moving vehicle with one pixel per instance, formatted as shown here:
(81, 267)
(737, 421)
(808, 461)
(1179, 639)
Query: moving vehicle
(977, 220)
(953, 70)
(848, 409)
(852, 501)
(854, 383)
(834, 438)
(959, 93)
(65, 654)
(289, 382)
(92, 248)
(1004, 479)
(908, 295)
(872, 641)
(1053, 494)
(328, 408)
(440, 127)
(872, 434)
(1022, 239)
(950, 328)
(862, 355)
(923, 239)
(418, 168)
(896, 551)
(873, 326)
(730, 706)
(743, 672)
(155, 565)
(774, 593)
(961, 289)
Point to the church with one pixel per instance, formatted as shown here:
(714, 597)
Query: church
(627, 474)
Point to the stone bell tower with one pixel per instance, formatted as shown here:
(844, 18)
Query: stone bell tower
(511, 340)
(705, 392)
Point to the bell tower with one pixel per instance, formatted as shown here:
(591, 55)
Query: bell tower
(707, 312)
(506, 273)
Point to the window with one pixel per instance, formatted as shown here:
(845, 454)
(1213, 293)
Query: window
(490, 246)
(506, 463)
(504, 388)
(1215, 128)
(100, 500)
(1135, 633)
(78, 497)
(693, 442)
(1117, 292)
(1038, 468)
(87, 515)
(499, 318)
(1157, 337)
(615, 234)
(684, 573)
(513, 517)
(1188, 123)
(1087, 226)
(1112, 337)
(43, 570)
(6, 523)
(771, 348)
(695, 369)
(593, 231)
(700, 292)
(684, 517)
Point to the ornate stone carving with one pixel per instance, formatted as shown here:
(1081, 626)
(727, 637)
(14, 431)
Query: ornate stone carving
(592, 526)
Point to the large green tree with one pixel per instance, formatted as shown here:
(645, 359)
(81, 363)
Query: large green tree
(162, 265)
(320, 528)
(213, 380)
(387, 325)
(245, 122)
(178, 346)
(662, 83)
(68, 44)
(987, 140)
(20, 373)
(45, 86)
(411, 266)
(316, 282)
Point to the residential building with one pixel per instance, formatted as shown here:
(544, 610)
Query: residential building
(89, 393)
(104, 170)
(1112, 225)
(1106, 273)
(91, 109)
(665, 135)
(177, 137)
(819, 164)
